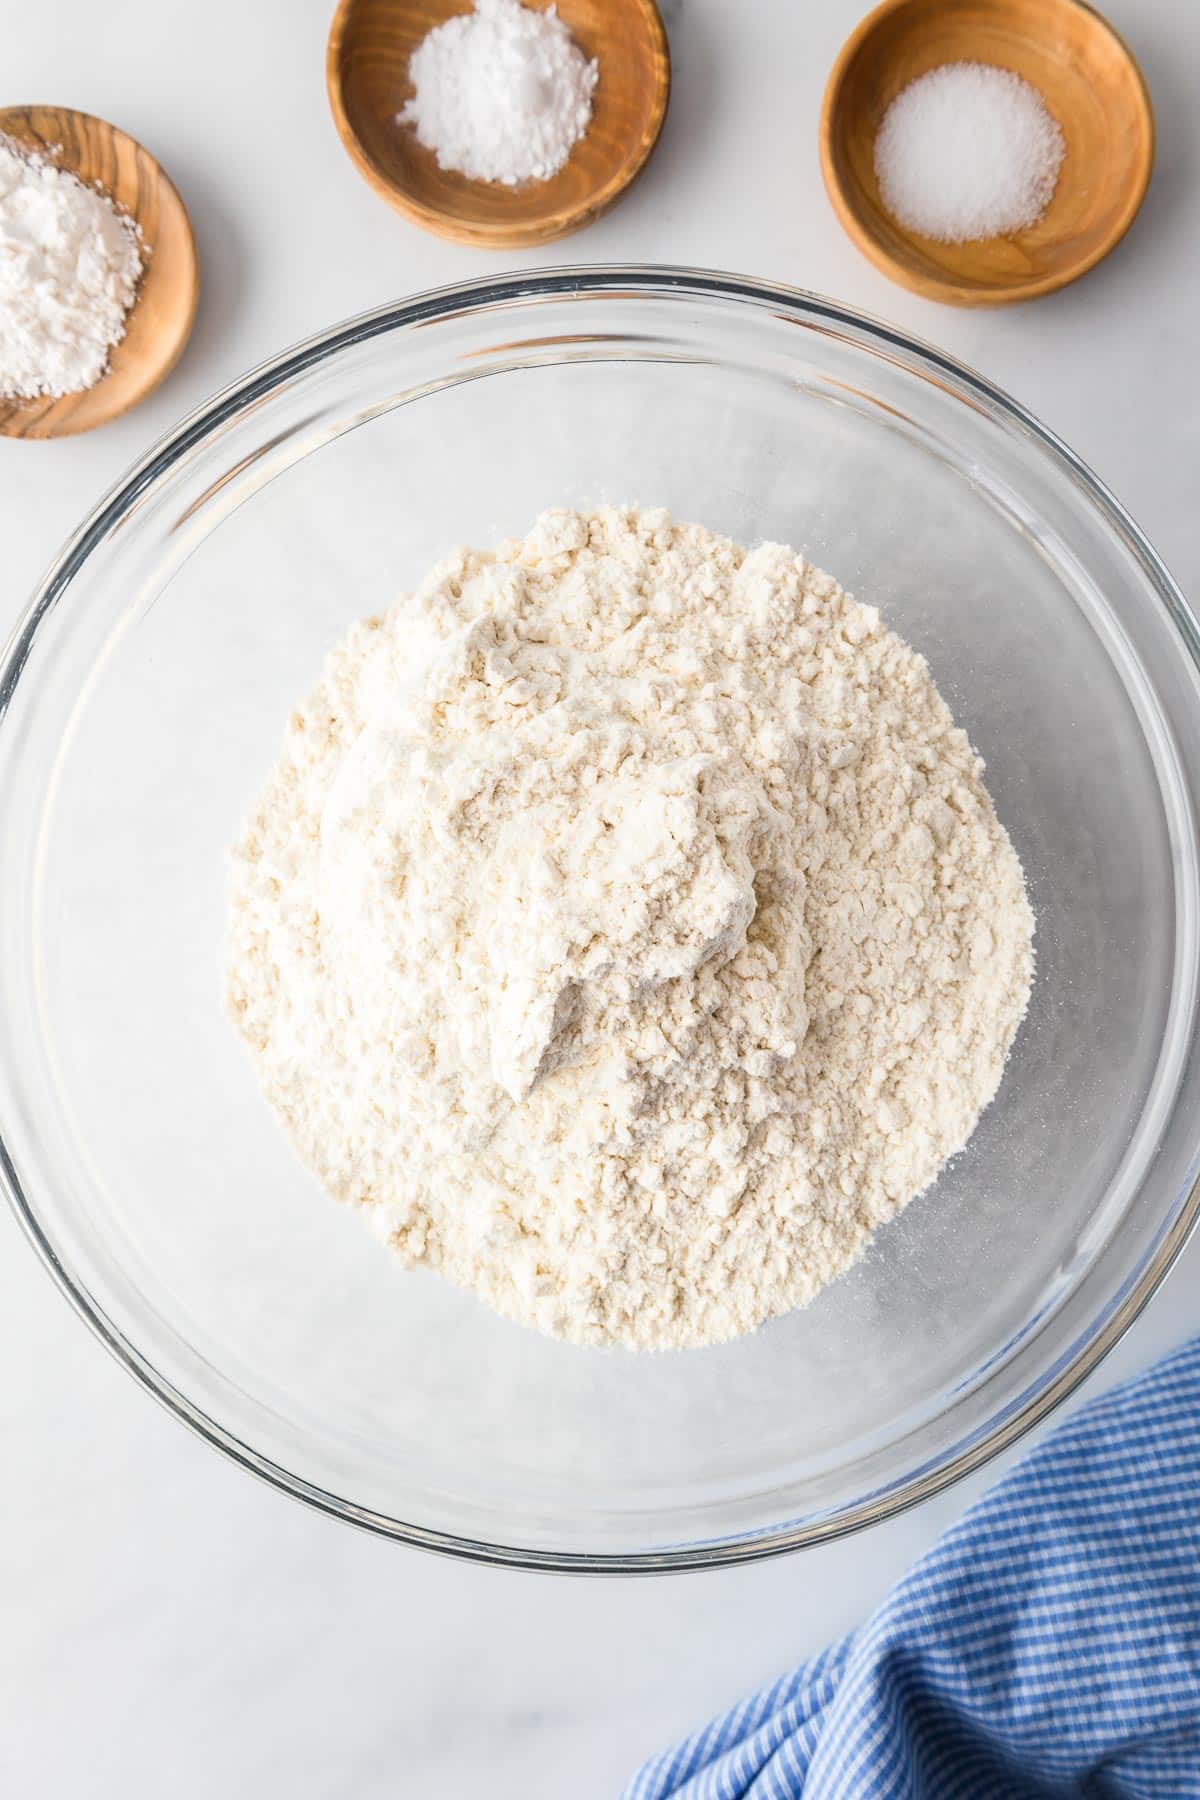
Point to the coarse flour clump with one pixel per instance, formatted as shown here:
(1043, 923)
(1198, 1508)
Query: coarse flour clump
(626, 928)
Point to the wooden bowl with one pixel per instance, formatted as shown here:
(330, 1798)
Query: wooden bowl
(1092, 86)
(164, 307)
(367, 75)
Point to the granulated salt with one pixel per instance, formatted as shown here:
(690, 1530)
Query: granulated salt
(968, 151)
(502, 93)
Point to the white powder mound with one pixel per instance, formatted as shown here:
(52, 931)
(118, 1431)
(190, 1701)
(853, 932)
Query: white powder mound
(69, 268)
(967, 152)
(502, 94)
(626, 929)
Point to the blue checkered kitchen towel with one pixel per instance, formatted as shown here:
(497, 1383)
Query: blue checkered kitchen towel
(1047, 1646)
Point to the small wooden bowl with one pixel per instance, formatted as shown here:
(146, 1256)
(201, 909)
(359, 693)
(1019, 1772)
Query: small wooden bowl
(165, 304)
(367, 75)
(1090, 83)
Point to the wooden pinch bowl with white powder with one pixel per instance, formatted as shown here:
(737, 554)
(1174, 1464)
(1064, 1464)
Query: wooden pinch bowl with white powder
(159, 318)
(1079, 70)
(368, 75)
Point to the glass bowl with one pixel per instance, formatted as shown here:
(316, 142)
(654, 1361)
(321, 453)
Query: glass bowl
(144, 698)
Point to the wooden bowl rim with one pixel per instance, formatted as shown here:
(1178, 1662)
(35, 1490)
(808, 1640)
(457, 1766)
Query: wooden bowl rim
(15, 411)
(519, 233)
(960, 293)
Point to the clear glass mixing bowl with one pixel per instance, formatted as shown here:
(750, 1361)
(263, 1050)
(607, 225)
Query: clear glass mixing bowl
(143, 700)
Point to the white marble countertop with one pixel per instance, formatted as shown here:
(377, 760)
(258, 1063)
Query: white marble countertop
(170, 1625)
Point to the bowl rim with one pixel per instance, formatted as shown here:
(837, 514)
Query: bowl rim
(1045, 1392)
(950, 291)
(518, 233)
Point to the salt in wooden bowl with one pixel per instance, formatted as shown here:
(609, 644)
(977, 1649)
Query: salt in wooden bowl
(370, 44)
(1090, 83)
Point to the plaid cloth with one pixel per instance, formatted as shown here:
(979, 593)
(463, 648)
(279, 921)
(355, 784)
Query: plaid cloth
(1047, 1646)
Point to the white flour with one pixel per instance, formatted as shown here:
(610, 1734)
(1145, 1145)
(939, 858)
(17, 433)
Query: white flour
(502, 93)
(627, 929)
(69, 268)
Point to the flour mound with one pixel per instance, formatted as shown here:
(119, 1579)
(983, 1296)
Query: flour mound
(627, 930)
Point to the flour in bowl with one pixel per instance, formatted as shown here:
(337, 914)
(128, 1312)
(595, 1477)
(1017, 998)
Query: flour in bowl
(626, 929)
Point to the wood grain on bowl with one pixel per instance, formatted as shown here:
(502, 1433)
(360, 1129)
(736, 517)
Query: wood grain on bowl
(367, 76)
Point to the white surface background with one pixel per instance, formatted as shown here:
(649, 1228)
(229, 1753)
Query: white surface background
(170, 1626)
